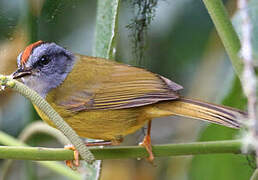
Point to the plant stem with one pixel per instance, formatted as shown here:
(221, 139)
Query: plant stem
(54, 166)
(58, 121)
(40, 127)
(60, 154)
(226, 32)
(27, 133)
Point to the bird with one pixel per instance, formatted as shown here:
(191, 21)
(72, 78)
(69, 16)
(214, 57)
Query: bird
(107, 100)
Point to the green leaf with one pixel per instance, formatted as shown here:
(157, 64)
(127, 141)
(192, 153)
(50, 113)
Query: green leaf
(106, 28)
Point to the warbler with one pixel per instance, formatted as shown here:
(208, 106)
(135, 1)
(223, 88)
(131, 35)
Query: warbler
(104, 99)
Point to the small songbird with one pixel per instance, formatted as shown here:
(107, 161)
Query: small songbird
(104, 99)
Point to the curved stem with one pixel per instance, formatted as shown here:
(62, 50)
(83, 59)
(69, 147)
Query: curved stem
(51, 113)
(41, 127)
(27, 133)
(55, 166)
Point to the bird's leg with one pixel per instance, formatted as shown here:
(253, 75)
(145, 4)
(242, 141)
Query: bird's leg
(147, 143)
(73, 164)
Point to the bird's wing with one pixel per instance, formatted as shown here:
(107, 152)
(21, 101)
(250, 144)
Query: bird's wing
(111, 85)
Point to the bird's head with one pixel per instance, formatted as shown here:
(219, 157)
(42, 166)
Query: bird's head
(43, 66)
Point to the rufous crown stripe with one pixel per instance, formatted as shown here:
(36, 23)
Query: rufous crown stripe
(26, 53)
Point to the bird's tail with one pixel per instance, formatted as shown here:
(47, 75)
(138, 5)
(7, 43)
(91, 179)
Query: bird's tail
(213, 113)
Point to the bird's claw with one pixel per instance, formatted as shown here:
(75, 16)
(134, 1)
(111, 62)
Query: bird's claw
(147, 144)
(73, 164)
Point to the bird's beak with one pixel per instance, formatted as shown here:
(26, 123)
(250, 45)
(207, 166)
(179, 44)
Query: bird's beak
(21, 73)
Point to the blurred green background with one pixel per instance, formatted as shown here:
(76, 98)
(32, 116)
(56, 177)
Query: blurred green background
(182, 45)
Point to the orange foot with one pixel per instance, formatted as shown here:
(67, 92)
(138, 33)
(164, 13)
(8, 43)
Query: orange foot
(73, 164)
(147, 144)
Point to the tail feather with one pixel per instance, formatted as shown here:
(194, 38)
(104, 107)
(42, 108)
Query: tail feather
(218, 114)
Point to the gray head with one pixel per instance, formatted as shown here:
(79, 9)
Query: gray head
(43, 66)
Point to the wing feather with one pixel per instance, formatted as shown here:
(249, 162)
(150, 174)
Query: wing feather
(110, 85)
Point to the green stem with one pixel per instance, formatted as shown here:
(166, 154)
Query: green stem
(41, 127)
(27, 133)
(226, 32)
(54, 166)
(60, 154)
(51, 113)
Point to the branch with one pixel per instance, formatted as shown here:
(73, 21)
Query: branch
(226, 32)
(27, 133)
(118, 152)
(51, 113)
(55, 166)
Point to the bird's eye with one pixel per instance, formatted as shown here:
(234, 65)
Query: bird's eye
(44, 60)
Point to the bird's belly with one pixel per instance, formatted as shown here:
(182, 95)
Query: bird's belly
(101, 124)
(105, 124)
